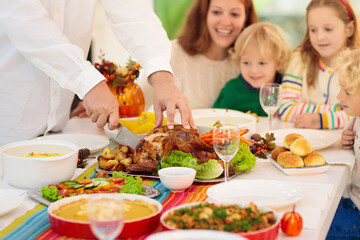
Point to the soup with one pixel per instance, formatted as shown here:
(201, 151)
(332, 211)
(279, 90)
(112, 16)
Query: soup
(77, 210)
(40, 155)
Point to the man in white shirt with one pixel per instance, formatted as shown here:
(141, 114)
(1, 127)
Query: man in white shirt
(43, 44)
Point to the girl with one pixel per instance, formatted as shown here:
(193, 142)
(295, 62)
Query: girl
(346, 223)
(199, 56)
(310, 86)
(262, 53)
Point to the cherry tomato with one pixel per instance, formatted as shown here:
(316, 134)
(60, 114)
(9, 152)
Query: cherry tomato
(291, 223)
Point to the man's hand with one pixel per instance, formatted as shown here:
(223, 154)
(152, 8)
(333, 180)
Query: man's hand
(79, 111)
(102, 106)
(168, 97)
(307, 120)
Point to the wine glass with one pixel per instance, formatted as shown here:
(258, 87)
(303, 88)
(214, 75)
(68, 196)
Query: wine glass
(226, 141)
(270, 98)
(106, 215)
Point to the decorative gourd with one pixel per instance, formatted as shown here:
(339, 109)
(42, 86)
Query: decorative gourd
(121, 81)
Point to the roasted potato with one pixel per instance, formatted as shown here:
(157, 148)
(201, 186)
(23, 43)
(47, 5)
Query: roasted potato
(109, 164)
(118, 167)
(126, 161)
(107, 153)
(102, 162)
(120, 156)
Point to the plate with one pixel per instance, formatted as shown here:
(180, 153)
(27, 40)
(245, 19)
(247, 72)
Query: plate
(10, 200)
(301, 170)
(204, 119)
(93, 142)
(199, 234)
(269, 193)
(78, 229)
(216, 180)
(36, 194)
(318, 139)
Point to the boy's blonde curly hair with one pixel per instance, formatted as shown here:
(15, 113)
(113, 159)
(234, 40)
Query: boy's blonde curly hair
(268, 38)
(348, 67)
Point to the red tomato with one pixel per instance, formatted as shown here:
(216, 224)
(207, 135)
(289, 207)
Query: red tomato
(291, 223)
(64, 193)
(118, 179)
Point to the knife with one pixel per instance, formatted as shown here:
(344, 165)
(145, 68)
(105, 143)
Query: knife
(123, 135)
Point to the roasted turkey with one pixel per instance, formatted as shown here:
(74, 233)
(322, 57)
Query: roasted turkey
(161, 141)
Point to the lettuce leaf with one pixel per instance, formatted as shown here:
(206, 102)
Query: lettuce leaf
(50, 193)
(209, 170)
(244, 159)
(132, 184)
(178, 159)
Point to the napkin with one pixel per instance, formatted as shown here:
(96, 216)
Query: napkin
(336, 155)
(313, 205)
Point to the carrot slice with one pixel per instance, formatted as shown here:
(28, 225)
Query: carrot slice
(246, 141)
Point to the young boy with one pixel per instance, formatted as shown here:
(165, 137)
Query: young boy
(346, 223)
(262, 53)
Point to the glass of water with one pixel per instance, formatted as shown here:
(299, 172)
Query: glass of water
(106, 215)
(270, 98)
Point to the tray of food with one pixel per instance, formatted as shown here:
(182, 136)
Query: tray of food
(117, 184)
(297, 157)
(164, 147)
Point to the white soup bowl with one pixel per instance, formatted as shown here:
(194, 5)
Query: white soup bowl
(177, 179)
(36, 172)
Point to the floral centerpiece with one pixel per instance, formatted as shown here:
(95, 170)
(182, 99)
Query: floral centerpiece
(121, 81)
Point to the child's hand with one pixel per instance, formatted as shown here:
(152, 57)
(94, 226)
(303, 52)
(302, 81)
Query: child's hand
(348, 136)
(307, 120)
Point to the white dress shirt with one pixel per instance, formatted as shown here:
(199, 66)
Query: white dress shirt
(43, 46)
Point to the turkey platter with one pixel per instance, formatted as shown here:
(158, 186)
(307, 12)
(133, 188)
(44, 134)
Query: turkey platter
(161, 141)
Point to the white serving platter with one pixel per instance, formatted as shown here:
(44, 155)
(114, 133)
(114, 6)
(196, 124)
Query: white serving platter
(300, 170)
(94, 143)
(10, 200)
(318, 139)
(269, 193)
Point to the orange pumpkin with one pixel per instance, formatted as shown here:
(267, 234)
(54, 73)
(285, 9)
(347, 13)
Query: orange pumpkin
(291, 223)
(131, 100)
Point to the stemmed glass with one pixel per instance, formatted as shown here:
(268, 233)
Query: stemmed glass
(270, 98)
(106, 215)
(226, 141)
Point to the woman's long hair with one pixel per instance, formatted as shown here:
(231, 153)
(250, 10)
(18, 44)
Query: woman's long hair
(195, 37)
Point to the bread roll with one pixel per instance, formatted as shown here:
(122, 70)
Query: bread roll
(314, 159)
(277, 151)
(290, 138)
(289, 160)
(301, 147)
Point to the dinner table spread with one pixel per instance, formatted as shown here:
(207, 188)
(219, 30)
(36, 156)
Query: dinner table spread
(321, 192)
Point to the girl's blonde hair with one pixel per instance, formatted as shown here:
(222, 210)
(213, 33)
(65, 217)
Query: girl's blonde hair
(310, 57)
(194, 37)
(348, 65)
(268, 38)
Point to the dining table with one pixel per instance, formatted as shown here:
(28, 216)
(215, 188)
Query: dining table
(322, 191)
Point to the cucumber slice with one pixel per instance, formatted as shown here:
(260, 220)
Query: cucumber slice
(70, 183)
(77, 186)
(89, 185)
(100, 182)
